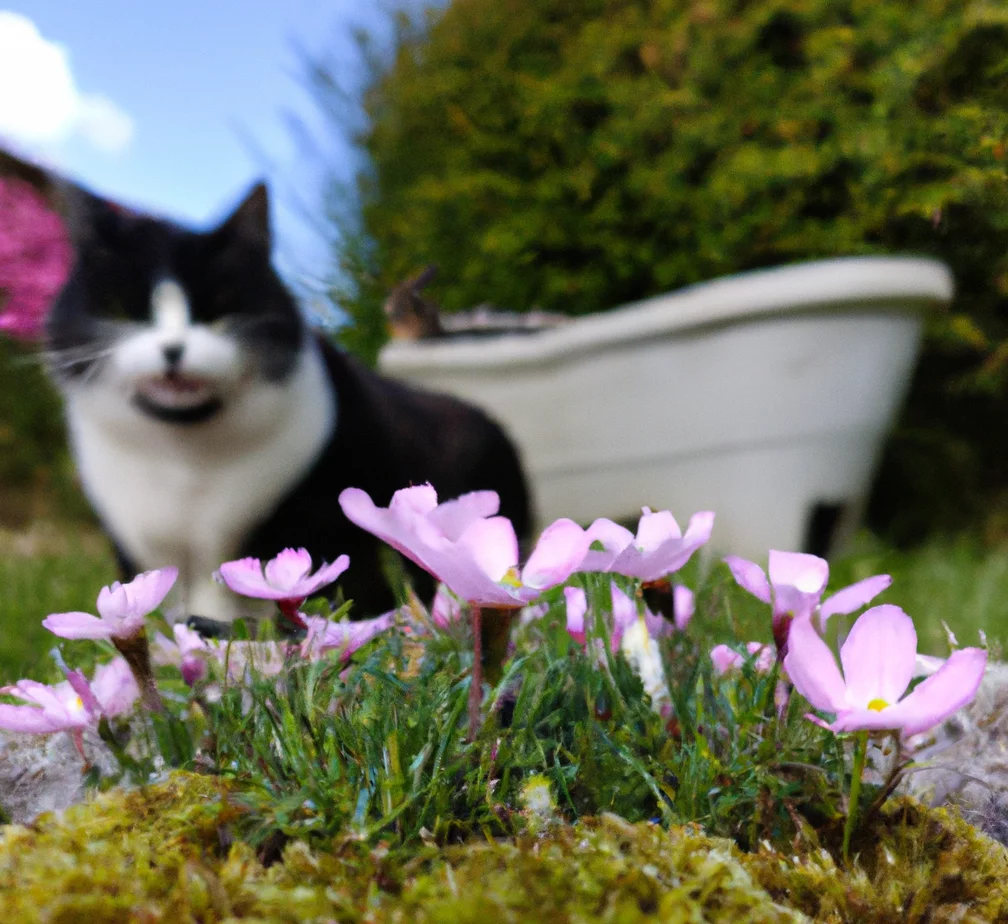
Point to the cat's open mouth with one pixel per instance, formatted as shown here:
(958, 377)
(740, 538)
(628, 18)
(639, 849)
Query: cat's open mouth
(177, 398)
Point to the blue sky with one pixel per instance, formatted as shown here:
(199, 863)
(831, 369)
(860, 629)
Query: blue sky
(187, 101)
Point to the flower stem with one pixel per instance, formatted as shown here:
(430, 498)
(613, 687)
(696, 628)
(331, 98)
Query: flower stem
(136, 651)
(860, 752)
(476, 673)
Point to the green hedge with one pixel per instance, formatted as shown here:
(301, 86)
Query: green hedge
(577, 154)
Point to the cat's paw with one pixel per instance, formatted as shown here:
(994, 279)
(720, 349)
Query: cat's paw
(209, 628)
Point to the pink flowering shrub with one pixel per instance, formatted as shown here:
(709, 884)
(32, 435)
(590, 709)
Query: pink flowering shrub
(35, 259)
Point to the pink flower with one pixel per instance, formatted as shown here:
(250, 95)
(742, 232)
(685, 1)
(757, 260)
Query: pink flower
(122, 608)
(726, 659)
(286, 578)
(35, 258)
(114, 687)
(466, 547)
(658, 549)
(624, 615)
(879, 658)
(324, 635)
(683, 606)
(188, 652)
(796, 585)
(72, 705)
(577, 609)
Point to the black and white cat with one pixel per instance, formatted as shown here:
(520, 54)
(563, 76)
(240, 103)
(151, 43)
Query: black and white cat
(208, 422)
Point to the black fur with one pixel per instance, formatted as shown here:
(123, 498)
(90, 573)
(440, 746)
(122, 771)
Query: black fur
(389, 436)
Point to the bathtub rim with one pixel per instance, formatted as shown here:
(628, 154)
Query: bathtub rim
(842, 284)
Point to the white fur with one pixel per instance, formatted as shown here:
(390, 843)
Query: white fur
(169, 306)
(186, 494)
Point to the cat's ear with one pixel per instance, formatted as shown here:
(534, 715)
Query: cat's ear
(89, 219)
(249, 223)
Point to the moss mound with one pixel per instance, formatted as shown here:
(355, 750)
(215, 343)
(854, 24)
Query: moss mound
(912, 864)
(164, 853)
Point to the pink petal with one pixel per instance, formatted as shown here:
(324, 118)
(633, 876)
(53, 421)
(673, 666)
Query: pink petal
(658, 626)
(624, 611)
(946, 691)
(325, 635)
(288, 568)
(577, 607)
(853, 597)
(457, 569)
(725, 659)
(188, 640)
(245, 576)
(879, 656)
(927, 665)
(455, 516)
(492, 545)
(78, 683)
(749, 576)
(559, 551)
(418, 500)
(613, 537)
(808, 574)
(402, 528)
(655, 528)
(683, 606)
(32, 720)
(324, 576)
(699, 529)
(131, 602)
(78, 625)
(670, 555)
(822, 723)
(32, 691)
(115, 687)
(813, 669)
(193, 668)
(765, 656)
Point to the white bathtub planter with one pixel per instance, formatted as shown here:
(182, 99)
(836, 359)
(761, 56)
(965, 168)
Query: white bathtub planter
(758, 396)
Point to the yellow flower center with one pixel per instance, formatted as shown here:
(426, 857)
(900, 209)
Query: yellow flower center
(877, 705)
(511, 578)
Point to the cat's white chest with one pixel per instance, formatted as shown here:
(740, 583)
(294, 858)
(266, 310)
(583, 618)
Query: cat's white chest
(189, 494)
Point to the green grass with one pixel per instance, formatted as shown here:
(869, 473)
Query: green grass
(47, 570)
(956, 581)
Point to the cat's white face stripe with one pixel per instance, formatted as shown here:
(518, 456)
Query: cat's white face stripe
(169, 306)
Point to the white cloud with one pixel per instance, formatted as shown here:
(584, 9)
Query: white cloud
(40, 103)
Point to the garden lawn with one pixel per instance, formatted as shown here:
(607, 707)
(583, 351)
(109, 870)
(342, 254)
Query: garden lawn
(49, 569)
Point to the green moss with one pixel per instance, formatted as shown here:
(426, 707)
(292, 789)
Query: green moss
(910, 864)
(162, 854)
